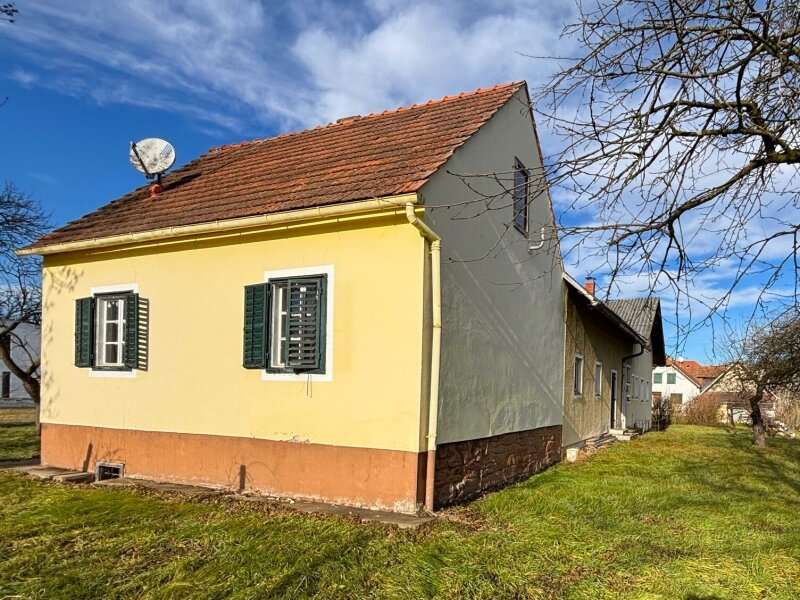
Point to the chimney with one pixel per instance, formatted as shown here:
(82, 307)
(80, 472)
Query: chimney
(589, 284)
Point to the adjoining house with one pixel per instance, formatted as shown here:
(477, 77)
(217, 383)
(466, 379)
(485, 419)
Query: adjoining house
(24, 351)
(644, 317)
(598, 341)
(328, 314)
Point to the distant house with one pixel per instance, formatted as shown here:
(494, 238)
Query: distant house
(733, 395)
(599, 344)
(681, 381)
(644, 317)
(11, 388)
(270, 318)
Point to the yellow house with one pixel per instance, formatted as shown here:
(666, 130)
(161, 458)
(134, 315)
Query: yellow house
(348, 313)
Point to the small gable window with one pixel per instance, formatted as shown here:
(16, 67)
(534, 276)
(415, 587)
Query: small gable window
(521, 176)
(657, 377)
(671, 378)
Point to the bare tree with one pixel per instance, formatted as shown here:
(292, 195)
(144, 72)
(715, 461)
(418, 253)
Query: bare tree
(680, 122)
(8, 12)
(766, 360)
(21, 222)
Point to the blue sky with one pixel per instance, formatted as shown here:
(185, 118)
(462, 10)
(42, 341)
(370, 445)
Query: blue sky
(84, 79)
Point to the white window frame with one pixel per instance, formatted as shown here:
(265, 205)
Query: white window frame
(598, 379)
(327, 375)
(101, 342)
(577, 375)
(117, 288)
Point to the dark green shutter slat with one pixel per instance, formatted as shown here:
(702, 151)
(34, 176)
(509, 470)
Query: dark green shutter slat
(132, 331)
(255, 326)
(305, 343)
(84, 332)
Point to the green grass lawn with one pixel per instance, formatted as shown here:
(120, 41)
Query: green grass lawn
(18, 439)
(687, 513)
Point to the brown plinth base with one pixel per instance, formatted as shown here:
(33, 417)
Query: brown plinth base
(364, 477)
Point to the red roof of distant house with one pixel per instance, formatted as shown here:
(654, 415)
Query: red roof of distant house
(695, 371)
(356, 158)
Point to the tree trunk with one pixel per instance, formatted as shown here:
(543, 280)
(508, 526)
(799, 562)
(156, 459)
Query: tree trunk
(28, 377)
(759, 429)
(731, 420)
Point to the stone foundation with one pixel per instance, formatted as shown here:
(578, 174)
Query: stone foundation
(466, 469)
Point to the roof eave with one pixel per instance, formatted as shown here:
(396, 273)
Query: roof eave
(255, 223)
(604, 308)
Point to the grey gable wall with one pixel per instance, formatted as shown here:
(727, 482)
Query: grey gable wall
(503, 315)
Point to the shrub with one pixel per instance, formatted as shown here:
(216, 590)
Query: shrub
(701, 410)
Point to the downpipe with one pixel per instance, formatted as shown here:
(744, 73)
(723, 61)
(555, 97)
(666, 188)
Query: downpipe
(436, 346)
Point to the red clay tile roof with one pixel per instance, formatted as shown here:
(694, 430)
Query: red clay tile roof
(697, 372)
(376, 155)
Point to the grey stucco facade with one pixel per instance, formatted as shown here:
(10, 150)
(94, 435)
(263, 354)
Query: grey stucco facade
(502, 302)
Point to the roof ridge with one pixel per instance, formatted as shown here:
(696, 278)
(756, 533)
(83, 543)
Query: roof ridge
(356, 118)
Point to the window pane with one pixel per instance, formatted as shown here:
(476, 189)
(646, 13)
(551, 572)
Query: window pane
(656, 377)
(112, 331)
(277, 324)
(671, 378)
(578, 383)
(112, 310)
(112, 354)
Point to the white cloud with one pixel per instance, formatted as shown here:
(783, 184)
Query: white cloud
(284, 66)
(421, 51)
(23, 77)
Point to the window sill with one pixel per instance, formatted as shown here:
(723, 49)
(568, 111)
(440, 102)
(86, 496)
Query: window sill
(289, 376)
(113, 373)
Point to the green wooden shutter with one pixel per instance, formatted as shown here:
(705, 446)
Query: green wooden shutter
(84, 332)
(305, 333)
(132, 331)
(255, 326)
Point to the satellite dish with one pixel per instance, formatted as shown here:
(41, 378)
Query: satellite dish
(152, 156)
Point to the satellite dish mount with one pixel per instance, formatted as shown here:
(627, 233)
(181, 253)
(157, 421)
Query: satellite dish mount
(152, 156)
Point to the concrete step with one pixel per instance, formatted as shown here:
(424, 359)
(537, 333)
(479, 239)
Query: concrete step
(600, 441)
(45, 472)
(624, 435)
(76, 477)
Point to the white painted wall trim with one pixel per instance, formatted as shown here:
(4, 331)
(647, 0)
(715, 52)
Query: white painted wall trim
(117, 287)
(110, 374)
(327, 376)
